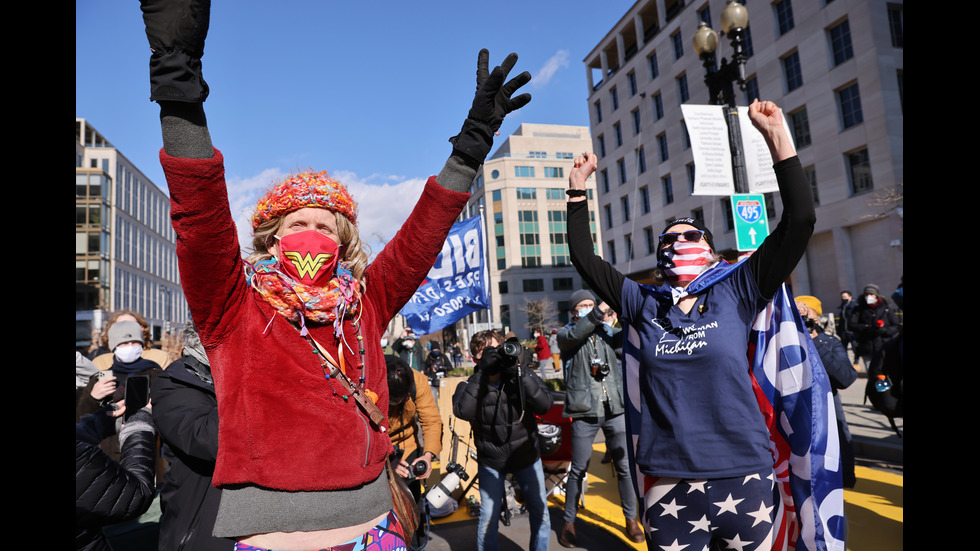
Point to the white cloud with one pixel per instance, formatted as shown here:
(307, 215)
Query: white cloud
(555, 62)
(382, 208)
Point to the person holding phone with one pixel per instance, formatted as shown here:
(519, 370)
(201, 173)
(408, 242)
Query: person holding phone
(109, 385)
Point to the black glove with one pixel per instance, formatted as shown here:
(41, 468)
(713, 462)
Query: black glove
(176, 31)
(490, 105)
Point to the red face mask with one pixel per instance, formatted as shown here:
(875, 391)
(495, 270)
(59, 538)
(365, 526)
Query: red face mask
(309, 257)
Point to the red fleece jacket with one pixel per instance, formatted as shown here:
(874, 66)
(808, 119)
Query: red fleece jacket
(281, 425)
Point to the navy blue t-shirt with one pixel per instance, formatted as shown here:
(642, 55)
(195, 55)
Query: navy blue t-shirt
(700, 417)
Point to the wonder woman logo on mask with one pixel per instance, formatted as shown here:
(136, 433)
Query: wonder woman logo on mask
(310, 257)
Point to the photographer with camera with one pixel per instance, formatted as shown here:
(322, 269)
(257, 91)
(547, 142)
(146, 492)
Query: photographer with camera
(500, 401)
(594, 400)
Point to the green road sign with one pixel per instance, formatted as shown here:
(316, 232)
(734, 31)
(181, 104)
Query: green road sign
(751, 222)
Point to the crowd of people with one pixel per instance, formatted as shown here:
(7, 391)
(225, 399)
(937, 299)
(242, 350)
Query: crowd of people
(327, 428)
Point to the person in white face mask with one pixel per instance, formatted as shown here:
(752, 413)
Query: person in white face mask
(872, 323)
(125, 339)
(594, 401)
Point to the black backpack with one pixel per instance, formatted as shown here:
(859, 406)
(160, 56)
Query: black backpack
(888, 362)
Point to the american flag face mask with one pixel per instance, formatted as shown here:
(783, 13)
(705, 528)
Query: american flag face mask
(684, 261)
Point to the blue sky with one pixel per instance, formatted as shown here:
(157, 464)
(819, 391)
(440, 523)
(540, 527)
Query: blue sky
(369, 91)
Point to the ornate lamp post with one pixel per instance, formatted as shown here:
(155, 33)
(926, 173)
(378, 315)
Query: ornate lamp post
(720, 80)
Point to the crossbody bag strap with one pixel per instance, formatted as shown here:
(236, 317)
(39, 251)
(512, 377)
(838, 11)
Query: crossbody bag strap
(365, 402)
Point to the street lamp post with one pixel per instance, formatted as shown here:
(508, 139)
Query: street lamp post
(720, 80)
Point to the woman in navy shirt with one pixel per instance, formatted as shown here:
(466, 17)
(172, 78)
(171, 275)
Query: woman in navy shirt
(702, 437)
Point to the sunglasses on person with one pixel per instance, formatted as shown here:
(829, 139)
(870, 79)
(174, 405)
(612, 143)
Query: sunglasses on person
(690, 235)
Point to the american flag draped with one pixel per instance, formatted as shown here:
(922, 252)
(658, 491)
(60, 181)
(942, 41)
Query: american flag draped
(795, 398)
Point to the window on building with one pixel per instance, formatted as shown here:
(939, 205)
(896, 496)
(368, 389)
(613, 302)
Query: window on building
(553, 172)
(537, 154)
(604, 178)
(535, 285)
(678, 41)
(557, 231)
(747, 42)
(698, 214)
(840, 42)
(562, 284)
(859, 171)
(658, 106)
(637, 127)
(682, 92)
(601, 146)
(726, 207)
(650, 240)
(618, 133)
(800, 124)
(527, 193)
(644, 200)
(899, 74)
(611, 250)
(792, 73)
(811, 176)
(770, 199)
(614, 98)
(495, 195)
(662, 147)
(628, 245)
(751, 90)
(527, 227)
(621, 167)
(502, 287)
(607, 211)
(849, 103)
(624, 203)
(690, 178)
(505, 315)
(598, 111)
(631, 79)
(555, 194)
(784, 16)
(896, 24)
(704, 14)
(564, 155)
(652, 65)
(667, 186)
(641, 161)
(524, 171)
(686, 135)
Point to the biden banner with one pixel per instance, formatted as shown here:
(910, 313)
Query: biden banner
(456, 285)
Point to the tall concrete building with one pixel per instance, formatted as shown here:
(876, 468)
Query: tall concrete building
(125, 257)
(834, 66)
(521, 190)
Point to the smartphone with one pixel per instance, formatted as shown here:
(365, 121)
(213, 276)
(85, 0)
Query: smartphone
(137, 394)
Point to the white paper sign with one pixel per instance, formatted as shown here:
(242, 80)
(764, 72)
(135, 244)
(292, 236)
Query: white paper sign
(712, 154)
(709, 145)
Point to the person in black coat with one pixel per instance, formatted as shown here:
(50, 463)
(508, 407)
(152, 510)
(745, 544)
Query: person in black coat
(500, 401)
(186, 414)
(107, 491)
(872, 323)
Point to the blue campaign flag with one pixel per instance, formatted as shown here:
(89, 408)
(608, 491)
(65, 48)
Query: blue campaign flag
(456, 284)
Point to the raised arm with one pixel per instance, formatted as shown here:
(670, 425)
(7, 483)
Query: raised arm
(778, 255)
(597, 273)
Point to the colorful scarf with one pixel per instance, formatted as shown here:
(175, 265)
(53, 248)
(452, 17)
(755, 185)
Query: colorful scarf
(296, 302)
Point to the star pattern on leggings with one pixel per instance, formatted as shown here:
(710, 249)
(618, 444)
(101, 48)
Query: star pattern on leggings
(764, 514)
(696, 485)
(736, 543)
(703, 524)
(728, 505)
(674, 546)
(671, 508)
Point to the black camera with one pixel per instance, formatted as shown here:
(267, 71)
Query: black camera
(415, 470)
(599, 369)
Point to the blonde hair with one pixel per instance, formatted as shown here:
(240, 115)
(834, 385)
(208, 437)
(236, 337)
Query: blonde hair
(353, 251)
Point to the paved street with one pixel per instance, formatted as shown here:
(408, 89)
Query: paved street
(874, 508)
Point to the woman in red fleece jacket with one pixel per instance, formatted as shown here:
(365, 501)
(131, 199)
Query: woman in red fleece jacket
(293, 332)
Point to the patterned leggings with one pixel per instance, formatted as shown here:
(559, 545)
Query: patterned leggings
(386, 536)
(723, 513)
